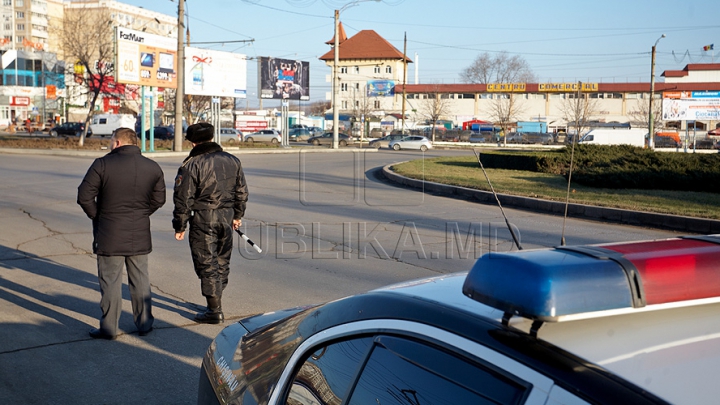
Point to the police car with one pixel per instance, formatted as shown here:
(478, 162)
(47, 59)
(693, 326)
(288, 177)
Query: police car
(621, 323)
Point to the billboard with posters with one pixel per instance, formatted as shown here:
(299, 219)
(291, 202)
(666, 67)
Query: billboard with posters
(145, 59)
(380, 88)
(284, 79)
(215, 73)
(691, 105)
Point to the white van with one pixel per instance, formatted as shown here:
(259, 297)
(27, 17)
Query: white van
(105, 124)
(634, 137)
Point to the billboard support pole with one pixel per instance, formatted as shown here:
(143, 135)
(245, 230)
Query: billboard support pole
(152, 120)
(142, 119)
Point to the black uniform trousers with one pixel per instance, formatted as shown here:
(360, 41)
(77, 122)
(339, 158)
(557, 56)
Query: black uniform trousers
(211, 242)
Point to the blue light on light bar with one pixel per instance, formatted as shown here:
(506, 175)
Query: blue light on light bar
(546, 284)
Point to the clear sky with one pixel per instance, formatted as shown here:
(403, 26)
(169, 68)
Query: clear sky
(563, 41)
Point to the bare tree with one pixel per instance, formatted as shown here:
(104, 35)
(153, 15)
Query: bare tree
(577, 109)
(501, 68)
(504, 110)
(640, 114)
(86, 37)
(362, 106)
(434, 108)
(319, 107)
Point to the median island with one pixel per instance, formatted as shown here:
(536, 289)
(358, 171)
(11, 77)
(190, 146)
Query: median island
(621, 176)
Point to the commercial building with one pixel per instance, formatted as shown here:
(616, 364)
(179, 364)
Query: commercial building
(367, 58)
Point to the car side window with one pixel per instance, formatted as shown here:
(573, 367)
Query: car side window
(327, 374)
(403, 371)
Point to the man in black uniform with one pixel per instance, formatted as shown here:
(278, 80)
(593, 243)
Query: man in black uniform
(210, 193)
(119, 193)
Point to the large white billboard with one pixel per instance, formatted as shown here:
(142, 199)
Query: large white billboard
(215, 73)
(145, 59)
(691, 106)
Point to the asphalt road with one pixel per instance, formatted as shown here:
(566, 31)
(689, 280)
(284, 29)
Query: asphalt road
(329, 227)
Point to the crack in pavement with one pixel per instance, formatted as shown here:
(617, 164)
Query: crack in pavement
(53, 233)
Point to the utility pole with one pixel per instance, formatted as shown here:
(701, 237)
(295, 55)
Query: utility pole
(651, 121)
(180, 90)
(336, 83)
(404, 81)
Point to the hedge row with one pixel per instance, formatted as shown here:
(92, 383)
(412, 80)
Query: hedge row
(618, 166)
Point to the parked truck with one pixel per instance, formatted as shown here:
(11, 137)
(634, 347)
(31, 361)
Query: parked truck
(634, 137)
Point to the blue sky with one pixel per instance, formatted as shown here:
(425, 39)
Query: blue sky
(563, 41)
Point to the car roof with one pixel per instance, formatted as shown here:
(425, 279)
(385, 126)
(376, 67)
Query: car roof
(673, 352)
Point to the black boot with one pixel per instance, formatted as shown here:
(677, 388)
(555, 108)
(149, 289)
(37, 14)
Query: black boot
(213, 314)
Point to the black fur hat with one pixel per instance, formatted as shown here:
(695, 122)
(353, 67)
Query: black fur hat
(200, 132)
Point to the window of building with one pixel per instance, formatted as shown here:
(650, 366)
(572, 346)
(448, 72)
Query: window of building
(20, 14)
(557, 95)
(19, 39)
(410, 96)
(345, 104)
(376, 69)
(633, 95)
(21, 27)
(357, 86)
(7, 26)
(19, 3)
(343, 86)
(466, 96)
(343, 69)
(376, 104)
(356, 69)
(446, 96)
(357, 103)
(7, 2)
(486, 95)
(388, 69)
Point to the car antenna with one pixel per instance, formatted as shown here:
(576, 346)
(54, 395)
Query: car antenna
(567, 195)
(512, 233)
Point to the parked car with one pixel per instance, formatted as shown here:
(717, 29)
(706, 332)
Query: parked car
(384, 142)
(327, 139)
(69, 129)
(264, 135)
(316, 130)
(531, 137)
(665, 142)
(231, 136)
(602, 324)
(164, 133)
(299, 134)
(411, 142)
(701, 143)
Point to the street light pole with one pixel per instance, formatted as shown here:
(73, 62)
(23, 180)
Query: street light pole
(651, 122)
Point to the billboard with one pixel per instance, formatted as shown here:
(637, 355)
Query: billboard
(380, 88)
(691, 106)
(145, 59)
(215, 73)
(284, 79)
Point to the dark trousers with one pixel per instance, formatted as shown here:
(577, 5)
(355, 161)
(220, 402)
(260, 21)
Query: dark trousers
(110, 270)
(211, 241)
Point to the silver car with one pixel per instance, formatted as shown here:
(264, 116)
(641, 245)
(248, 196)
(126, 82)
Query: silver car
(230, 136)
(411, 142)
(264, 135)
(384, 142)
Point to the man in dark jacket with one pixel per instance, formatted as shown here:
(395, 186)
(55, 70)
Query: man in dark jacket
(210, 193)
(119, 193)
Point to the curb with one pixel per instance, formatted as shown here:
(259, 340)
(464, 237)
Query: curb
(588, 212)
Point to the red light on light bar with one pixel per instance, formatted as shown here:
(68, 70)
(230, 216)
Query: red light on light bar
(675, 270)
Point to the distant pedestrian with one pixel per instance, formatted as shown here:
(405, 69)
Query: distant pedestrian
(210, 194)
(28, 125)
(119, 193)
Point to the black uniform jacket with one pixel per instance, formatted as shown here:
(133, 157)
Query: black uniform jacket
(208, 179)
(119, 193)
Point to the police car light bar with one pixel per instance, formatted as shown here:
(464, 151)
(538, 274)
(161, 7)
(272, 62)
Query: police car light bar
(579, 282)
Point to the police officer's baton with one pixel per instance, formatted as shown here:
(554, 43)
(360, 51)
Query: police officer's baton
(251, 243)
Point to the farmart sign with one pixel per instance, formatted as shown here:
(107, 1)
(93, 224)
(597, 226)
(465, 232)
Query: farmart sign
(691, 105)
(145, 59)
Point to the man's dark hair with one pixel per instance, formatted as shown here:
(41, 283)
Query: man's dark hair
(126, 136)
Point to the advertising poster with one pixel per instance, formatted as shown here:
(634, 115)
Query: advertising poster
(215, 73)
(691, 106)
(145, 59)
(284, 79)
(380, 88)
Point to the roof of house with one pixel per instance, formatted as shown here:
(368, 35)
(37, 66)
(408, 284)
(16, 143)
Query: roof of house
(366, 44)
(342, 36)
(689, 67)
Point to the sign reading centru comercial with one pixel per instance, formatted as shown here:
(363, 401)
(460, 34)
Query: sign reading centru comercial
(145, 59)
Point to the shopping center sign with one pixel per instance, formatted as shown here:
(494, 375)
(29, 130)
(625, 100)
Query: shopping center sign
(691, 105)
(145, 59)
